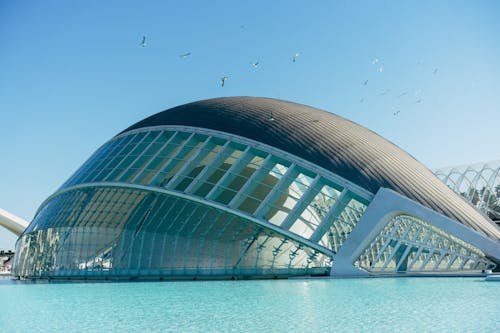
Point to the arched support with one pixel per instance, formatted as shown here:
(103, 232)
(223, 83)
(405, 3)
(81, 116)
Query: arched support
(13, 223)
(386, 205)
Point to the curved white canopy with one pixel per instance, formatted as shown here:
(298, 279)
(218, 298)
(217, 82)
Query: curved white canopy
(12, 222)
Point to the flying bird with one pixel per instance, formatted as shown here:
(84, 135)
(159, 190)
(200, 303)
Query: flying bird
(402, 94)
(435, 71)
(254, 64)
(374, 61)
(381, 68)
(365, 83)
(385, 92)
(418, 101)
(396, 113)
(295, 56)
(223, 79)
(143, 42)
(184, 55)
(271, 117)
(361, 100)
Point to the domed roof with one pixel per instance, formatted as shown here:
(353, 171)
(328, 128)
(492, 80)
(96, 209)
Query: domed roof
(330, 141)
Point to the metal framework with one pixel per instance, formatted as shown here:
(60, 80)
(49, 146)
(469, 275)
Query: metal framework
(162, 186)
(408, 244)
(478, 183)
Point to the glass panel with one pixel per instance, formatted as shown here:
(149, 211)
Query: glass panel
(117, 158)
(191, 148)
(125, 232)
(343, 225)
(215, 171)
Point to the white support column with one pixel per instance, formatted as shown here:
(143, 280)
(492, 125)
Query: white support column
(400, 240)
(403, 257)
(285, 181)
(420, 249)
(334, 212)
(303, 203)
(429, 256)
(465, 260)
(410, 245)
(452, 260)
(389, 239)
(441, 257)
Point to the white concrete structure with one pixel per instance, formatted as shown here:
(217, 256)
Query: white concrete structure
(13, 223)
(387, 206)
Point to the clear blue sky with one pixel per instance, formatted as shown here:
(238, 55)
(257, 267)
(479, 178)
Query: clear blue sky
(73, 74)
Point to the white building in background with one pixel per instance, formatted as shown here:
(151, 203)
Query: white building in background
(478, 183)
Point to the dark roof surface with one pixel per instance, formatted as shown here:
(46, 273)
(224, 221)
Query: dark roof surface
(330, 141)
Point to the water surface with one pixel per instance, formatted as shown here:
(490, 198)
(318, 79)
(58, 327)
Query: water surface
(342, 305)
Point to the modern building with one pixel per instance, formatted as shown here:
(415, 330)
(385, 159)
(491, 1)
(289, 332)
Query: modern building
(478, 183)
(253, 187)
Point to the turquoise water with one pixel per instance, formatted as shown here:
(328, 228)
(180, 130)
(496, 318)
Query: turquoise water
(349, 305)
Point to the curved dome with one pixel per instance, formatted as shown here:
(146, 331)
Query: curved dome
(252, 187)
(327, 140)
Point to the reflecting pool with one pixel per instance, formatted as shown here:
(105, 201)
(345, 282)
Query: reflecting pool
(313, 305)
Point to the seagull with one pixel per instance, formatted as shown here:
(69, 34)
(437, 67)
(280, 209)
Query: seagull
(184, 55)
(435, 71)
(254, 64)
(271, 118)
(365, 83)
(397, 112)
(295, 56)
(143, 42)
(223, 79)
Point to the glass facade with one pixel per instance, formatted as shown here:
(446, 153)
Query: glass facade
(408, 244)
(121, 232)
(149, 203)
(176, 201)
